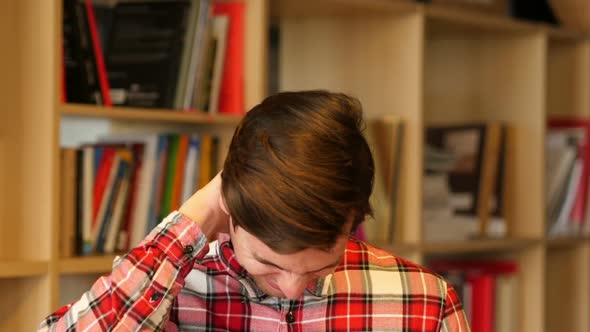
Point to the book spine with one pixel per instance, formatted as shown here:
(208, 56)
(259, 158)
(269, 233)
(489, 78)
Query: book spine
(98, 54)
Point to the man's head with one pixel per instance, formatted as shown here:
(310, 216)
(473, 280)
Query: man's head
(299, 173)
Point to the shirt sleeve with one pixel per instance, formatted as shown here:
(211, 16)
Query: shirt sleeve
(140, 290)
(454, 319)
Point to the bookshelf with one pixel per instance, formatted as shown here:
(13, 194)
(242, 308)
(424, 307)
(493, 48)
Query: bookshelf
(567, 259)
(427, 64)
(142, 115)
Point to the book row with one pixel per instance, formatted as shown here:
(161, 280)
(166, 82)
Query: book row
(466, 181)
(180, 54)
(489, 291)
(116, 190)
(567, 176)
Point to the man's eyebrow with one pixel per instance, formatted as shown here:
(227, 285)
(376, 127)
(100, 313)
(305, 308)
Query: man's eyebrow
(267, 262)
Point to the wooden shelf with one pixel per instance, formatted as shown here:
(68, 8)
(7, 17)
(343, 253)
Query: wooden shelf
(423, 62)
(86, 265)
(146, 115)
(566, 242)
(563, 34)
(341, 8)
(462, 247)
(477, 246)
(450, 16)
(13, 269)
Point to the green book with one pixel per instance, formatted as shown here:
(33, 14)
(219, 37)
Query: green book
(170, 169)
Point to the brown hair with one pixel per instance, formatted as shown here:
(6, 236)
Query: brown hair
(297, 169)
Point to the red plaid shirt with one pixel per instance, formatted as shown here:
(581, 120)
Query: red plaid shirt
(175, 281)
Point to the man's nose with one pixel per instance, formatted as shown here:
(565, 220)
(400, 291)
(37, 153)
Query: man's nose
(293, 285)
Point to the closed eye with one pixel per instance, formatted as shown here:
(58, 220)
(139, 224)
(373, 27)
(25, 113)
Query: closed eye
(320, 270)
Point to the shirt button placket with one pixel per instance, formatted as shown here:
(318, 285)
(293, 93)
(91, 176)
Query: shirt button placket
(290, 318)
(188, 250)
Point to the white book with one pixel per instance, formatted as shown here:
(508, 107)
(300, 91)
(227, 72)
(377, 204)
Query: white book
(562, 225)
(187, 51)
(197, 53)
(506, 308)
(219, 33)
(558, 166)
(190, 168)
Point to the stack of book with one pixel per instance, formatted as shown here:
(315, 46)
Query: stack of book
(567, 170)
(116, 190)
(465, 168)
(169, 54)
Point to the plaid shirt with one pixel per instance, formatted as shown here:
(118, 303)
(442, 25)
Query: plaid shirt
(175, 281)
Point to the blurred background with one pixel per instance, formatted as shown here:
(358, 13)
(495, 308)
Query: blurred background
(112, 112)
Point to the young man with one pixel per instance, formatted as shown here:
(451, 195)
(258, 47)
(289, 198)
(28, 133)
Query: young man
(265, 245)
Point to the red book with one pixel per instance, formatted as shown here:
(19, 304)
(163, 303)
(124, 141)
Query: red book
(102, 176)
(480, 277)
(579, 209)
(231, 94)
(482, 301)
(98, 55)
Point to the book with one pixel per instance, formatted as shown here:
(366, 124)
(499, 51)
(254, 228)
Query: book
(565, 163)
(231, 99)
(121, 198)
(219, 36)
(205, 171)
(179, 172)
(121, 174)
(110, 187)
(191, 168)
(170, 174)
(86, 199)
(482, 305)
(98, 54)
(196, 69)
(192, 44)
(476, 189)
(81, 76)
(122, 241)
(506, 308)
(145, 50)
(579, 210)
(159, 181)
(488, 290)
(104, 158)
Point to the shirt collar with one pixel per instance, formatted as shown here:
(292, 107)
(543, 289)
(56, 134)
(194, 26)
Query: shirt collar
(318, 288)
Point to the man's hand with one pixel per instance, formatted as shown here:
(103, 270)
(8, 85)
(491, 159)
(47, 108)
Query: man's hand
(206, 208)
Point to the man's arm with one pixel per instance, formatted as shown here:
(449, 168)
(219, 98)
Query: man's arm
(143, 284)
(454, 319)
